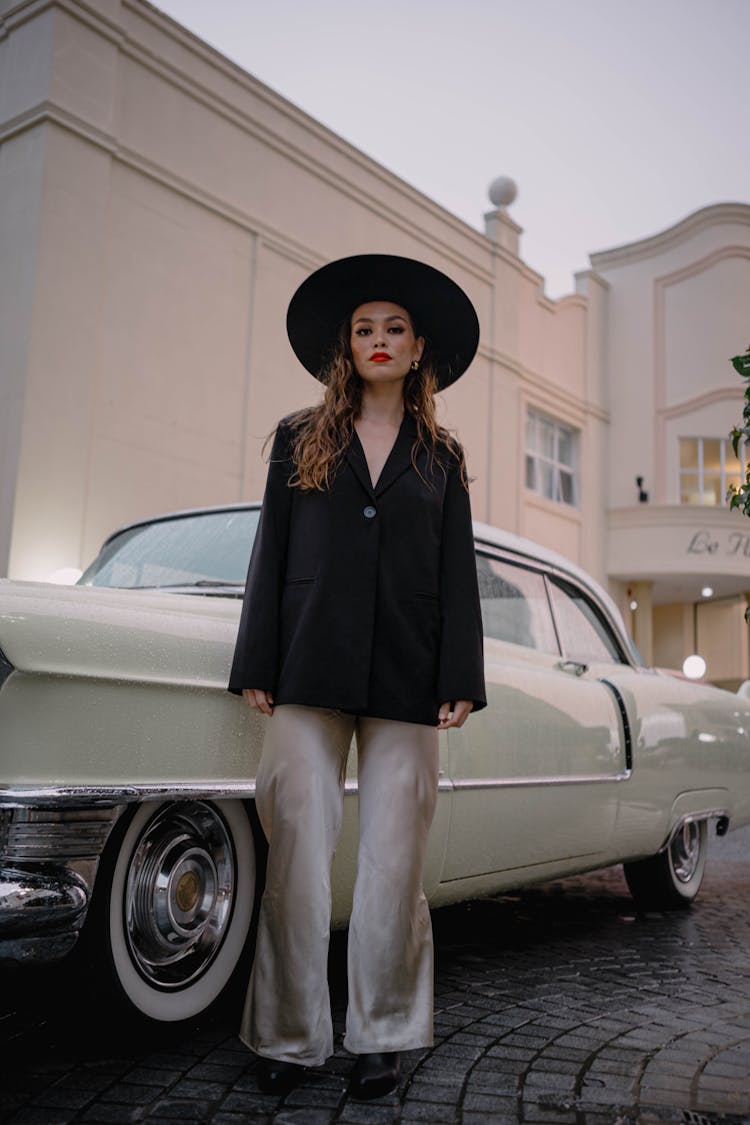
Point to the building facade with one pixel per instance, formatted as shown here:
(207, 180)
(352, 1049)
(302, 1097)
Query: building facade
(158, 207)
(678, 309)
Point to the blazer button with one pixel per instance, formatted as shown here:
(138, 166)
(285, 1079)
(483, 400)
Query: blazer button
(369, 512)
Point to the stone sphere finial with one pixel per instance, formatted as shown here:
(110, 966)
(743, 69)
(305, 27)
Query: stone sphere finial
(502, 191)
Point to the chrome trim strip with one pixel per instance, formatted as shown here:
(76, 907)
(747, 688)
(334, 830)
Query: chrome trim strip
(515, 782)
(351, 786)
(626, 729)
(55, 835)
(108, 795)
(19, 796)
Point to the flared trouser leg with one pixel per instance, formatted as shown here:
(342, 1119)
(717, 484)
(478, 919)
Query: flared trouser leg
(390, 951)
(299, 798)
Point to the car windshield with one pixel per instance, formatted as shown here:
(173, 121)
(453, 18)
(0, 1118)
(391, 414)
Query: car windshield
(203, 550)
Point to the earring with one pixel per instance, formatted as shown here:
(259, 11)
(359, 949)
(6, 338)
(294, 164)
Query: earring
(415, 365)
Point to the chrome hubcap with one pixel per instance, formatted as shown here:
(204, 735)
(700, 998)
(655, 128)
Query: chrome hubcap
(685, 851)
(179, 893)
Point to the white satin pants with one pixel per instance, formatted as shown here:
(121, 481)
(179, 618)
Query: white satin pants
(299, 798)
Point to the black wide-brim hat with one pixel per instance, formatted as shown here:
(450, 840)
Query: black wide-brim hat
(440, 310)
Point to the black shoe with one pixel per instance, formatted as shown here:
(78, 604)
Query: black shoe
(277, 1077)
(374, 1075)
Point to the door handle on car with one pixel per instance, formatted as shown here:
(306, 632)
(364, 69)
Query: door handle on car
(573, 667)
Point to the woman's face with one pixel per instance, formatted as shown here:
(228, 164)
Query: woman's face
(382, 342)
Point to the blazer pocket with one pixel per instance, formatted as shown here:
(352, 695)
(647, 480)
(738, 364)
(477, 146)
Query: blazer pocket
(299, 581)
(426, 595)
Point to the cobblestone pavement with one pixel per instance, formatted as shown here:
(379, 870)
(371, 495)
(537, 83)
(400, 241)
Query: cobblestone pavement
(559, 1004)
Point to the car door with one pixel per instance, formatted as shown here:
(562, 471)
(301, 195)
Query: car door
(535, 774)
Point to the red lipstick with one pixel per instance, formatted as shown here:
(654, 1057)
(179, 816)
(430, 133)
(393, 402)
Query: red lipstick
(379, 357)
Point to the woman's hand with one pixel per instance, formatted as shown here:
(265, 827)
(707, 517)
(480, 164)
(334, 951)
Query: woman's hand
(258, 698)
(461, 711)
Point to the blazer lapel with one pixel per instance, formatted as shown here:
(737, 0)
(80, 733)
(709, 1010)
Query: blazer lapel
(397, 462)
(355, 455)
(399, 459)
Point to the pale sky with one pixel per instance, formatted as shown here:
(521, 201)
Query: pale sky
(616, 118)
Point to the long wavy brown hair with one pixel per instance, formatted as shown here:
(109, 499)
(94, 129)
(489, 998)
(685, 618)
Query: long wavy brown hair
(321, 434)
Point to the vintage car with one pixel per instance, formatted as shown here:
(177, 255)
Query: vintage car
(126, 768)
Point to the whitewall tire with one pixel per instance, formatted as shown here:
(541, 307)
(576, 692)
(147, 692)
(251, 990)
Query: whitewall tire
(179, 905)
(671, 880)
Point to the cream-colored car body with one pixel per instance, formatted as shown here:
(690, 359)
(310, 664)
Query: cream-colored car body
(119, 696)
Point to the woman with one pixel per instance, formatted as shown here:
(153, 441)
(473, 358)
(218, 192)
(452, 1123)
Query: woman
(361, 616)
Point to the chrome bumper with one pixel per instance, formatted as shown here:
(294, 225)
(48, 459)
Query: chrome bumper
(40, 913)
(48, 862)
(51, 840)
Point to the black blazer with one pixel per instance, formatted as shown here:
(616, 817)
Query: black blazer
(364, 599)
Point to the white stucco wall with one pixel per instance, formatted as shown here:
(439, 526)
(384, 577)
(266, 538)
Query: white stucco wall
(677, 311)
(171, 205)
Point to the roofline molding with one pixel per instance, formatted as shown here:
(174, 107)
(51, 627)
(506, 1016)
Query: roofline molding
(656, 243)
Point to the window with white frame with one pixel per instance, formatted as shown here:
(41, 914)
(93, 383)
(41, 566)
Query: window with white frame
(551, 458)
(707, 467)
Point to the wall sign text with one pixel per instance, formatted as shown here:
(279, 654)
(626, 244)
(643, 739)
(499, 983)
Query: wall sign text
(735, 544)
